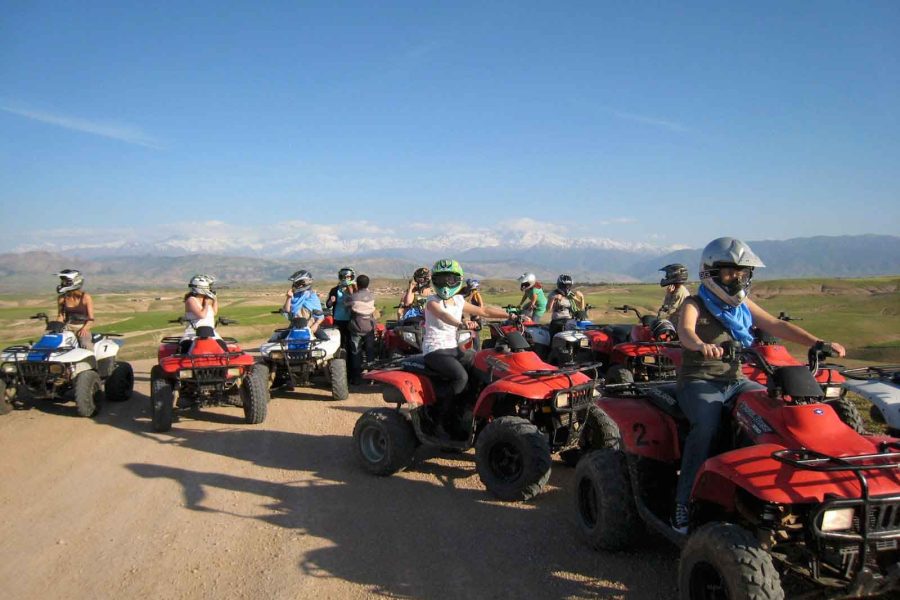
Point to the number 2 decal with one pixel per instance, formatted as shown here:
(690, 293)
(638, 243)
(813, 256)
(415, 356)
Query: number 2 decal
(641, 430)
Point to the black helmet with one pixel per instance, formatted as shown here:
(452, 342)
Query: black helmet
(346, 273)
(726, 252)
(663, 330)
(675, 273)
(301, 280)
(422, 276)
(564, 283)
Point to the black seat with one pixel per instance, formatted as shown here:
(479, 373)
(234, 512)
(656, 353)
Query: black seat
(619, 333)
(663, 397)
(416, 364)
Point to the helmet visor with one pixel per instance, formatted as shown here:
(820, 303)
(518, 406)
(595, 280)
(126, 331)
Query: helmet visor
(446, 280)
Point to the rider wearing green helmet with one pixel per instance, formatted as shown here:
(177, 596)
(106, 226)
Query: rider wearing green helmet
(443, 317)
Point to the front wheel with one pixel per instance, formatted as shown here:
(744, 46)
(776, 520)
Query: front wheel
(88, 393)
(723, 560)
(162, 400)
(848, 413)
(255, 394)
(384, 441)
(120, 383)
(337, 370)
(513, 458)
(5, 403)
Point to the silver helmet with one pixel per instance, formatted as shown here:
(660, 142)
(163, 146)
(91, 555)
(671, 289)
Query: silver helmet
(301, 280)
(203, 285)
(69, 281)
(726, 252)
(527, 281)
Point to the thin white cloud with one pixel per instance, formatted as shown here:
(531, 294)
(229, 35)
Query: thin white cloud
(664, 123)
(108, 129)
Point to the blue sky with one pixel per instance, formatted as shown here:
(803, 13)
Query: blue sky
(660, 123)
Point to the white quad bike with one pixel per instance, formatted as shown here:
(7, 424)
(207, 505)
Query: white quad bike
(56, 367)
(296, 357)
(880, 385)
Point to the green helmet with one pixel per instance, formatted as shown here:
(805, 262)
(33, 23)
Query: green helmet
(447, 278)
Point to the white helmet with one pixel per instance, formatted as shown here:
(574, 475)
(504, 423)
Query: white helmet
(69, 280)
(728, 252)
(527, 281)
(202, 285)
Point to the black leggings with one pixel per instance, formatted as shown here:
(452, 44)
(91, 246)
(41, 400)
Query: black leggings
(452, 363)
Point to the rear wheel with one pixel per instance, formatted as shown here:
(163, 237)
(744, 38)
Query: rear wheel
(723, 560)
(513, 458)
(255, 394)
(607, 516)
(162, 400)
(337, 370)
(619, 374)
(120, 383)
(88, 393)
(384, 441)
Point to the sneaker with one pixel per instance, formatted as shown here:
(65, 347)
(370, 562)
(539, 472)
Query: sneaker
(681, 519)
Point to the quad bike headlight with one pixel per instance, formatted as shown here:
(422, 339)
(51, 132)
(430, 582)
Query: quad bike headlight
(276, 355)
(56, 369)
(9, 368)
(409, 337)
(561, 400)
(186, 373)
(584, 342)
(832, 391)
(234, 372)
(838, 519)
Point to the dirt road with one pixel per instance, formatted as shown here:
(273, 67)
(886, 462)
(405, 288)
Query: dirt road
(106, 508)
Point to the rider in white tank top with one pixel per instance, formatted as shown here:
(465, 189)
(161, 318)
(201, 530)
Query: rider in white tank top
(207, 319)
(440, 335)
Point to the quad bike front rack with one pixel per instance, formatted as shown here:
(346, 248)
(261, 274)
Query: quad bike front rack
(878, 518)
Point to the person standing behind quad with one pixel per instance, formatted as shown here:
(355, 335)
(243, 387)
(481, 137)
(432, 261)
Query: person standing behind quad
(533, 302)
(363, 315)
(74, 304)
(720, 312)
(473, 297)
(443, 318)
(676, 292)
(563, 303)
(337, 301)
(302, 301)
(419, 288)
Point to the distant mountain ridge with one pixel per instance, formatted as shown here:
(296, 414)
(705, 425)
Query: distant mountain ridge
(821, 256)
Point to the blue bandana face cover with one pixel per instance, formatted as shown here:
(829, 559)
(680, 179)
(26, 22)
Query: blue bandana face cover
(736, 319)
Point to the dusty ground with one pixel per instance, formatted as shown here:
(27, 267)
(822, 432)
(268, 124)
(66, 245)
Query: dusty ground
(106, 508)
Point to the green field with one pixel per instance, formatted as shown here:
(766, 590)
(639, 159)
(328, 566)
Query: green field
(862, 314)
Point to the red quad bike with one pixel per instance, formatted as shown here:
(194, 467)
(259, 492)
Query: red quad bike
(537, 335)
(206, 371)
(798, 504)
(517, 410)
(635, 352)
(402, 338)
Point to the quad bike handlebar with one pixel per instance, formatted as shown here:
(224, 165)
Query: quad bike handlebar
(783, 316)
(734, 352)
(219, 321)
(625, 308)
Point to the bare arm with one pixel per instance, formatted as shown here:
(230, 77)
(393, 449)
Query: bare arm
(525, 301)
(785, 330)
(437, 309)
(579, 300)
(408, 295)
(193, 305)
(552, 304)
(60, 309)
(89, 309)
(484, 311)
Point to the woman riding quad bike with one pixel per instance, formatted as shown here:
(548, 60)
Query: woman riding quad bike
(676, 275)
(534, 301)
(75, 305)
(563, 304)
(720, 312)
(413, 298)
